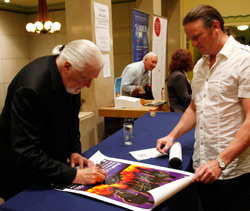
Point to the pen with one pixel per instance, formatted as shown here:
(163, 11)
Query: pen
(99, 166)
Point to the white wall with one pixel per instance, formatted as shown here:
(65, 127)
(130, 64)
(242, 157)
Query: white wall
(18, 48)
(14, 48)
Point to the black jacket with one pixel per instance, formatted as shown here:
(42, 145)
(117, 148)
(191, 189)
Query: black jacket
(179, 91)
(39, 129)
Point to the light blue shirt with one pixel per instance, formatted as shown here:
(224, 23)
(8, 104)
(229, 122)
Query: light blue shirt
(134, 75)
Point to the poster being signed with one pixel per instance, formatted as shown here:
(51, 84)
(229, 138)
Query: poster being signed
(133, 185)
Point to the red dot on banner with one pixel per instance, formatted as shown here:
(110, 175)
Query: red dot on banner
(157, 27)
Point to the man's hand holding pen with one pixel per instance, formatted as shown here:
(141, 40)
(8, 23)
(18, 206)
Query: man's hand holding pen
(89, 175)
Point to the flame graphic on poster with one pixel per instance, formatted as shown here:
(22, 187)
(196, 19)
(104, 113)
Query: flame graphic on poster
(130, 184)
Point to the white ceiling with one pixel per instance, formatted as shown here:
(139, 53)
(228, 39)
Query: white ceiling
(31, 3)
(30, 6)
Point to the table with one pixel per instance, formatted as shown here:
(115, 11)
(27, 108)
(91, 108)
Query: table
(123, 112)
(114, 116)
(146, 131)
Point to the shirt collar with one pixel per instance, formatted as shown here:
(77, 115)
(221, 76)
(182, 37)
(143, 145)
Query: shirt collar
(228, 47)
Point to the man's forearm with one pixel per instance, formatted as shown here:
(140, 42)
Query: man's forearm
(240, 143)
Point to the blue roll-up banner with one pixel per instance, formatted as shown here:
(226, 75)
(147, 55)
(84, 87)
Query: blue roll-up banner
(140, 34)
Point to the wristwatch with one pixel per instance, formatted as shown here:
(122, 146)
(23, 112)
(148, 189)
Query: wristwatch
(221, 163)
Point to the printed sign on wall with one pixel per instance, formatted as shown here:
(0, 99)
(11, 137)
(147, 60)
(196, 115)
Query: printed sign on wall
(159, 48)
(140, 35)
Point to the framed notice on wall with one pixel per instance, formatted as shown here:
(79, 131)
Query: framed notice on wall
(102, 32)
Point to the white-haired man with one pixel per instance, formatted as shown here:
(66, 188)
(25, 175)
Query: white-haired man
(136, 77)
(39, 125)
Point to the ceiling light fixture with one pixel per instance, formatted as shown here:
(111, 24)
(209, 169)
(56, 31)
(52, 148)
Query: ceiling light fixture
(242, 27)
(43, 24)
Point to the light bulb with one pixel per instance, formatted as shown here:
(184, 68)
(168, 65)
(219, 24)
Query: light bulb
(30, 27)
(39, 25)
(51, 31)
(47, 25)
(242, 28)
(56, 26)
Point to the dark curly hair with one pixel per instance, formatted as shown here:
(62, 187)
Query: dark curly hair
(181, 60)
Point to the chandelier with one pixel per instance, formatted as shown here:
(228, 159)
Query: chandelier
(43, 24)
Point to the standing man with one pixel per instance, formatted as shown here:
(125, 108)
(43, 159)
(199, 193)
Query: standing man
(219, 111)
(136, 77)
(39, 125)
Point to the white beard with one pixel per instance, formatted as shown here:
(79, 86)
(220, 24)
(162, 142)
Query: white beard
(72, 91)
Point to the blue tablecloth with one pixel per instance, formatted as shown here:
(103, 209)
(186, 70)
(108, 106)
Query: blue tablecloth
(146, 131)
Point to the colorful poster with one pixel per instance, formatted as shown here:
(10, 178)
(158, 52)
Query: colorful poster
(140, 34)
(118, 87)
(133, 185)
(159, 47)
